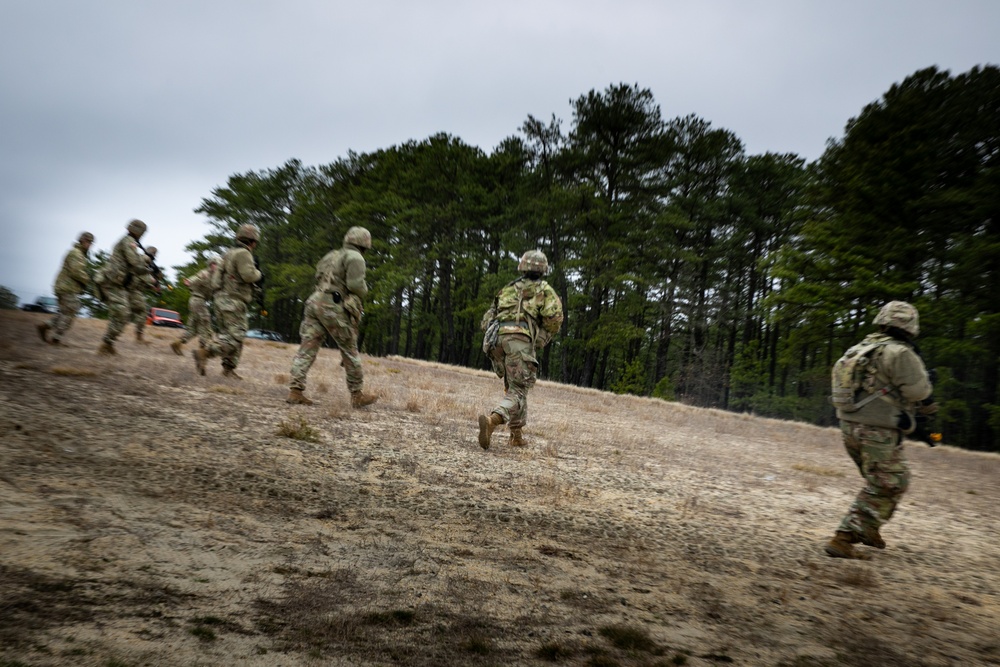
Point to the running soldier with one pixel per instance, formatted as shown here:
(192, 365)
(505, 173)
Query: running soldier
(525, 315)
(137, 293)
(126, 269)
(233, 287)
(335, 308)
(879, 387)
(199, 316)
(73, 280)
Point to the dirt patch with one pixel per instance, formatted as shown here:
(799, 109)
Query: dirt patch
(152, 516)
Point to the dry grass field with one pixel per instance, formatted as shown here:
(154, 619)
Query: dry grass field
(152, 516)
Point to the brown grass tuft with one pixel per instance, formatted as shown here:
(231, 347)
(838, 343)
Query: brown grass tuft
(297, 428)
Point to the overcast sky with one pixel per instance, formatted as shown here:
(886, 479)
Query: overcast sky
(120, 109)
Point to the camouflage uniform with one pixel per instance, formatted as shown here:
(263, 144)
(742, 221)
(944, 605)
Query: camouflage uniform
(873, 433)
(126, 267)
(234, 285)
(528, 312)
(335, 308)
(73, 280)
(199, 316)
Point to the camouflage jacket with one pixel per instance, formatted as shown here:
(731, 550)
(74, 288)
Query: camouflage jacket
(237, 274)
(528, 307)
(126, 266)
(200, 284)
(343, 271)
(896, 366)
(73, 277)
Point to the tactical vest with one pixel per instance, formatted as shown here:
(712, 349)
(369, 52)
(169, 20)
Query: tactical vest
(856, 372)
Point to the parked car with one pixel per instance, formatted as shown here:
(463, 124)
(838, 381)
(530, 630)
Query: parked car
(161, 317)
(43, 304)
(264, 334)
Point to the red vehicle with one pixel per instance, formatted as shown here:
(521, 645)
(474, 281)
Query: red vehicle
(161, 317)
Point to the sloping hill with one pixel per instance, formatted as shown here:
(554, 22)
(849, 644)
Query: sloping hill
(151, 516)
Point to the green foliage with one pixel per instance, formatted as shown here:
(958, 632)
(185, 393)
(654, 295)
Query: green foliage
(8, 300)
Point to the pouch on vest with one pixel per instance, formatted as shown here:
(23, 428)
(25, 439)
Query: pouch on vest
(852, 373)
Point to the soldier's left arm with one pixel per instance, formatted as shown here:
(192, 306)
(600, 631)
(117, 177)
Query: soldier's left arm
(138, 262)
(355, 279)
(76, 264)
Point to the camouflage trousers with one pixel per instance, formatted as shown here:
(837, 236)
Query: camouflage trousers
(231, 313)
(69, 306)
(138, 307)
(199, 321)
(520, 370)
(119, 301)
(321, 317)
(878, 453)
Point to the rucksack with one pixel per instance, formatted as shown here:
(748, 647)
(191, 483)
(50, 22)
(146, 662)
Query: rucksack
(854, 372)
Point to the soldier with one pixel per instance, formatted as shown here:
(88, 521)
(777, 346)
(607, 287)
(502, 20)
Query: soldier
(125, 269)
(199, 317)
(72, 280)
(233, 287)
(525, 315)
(893, 386)
(335, 308)
(137, 292)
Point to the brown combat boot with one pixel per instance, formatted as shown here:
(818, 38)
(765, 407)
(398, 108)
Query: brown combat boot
(200, 357)
(176, 347)
(43, 329)
(360, 399)
(231, 374)
(106, 348)
(296, 396)
(486, 427)
(871, 538)
(842, 546)
(515, 438)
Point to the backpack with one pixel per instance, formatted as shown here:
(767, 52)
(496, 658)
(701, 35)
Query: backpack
(854, 372)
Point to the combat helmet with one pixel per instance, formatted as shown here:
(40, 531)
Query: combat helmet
(358, 236)
(212, 259)
(901, 315)
(248, 232)
(85, 237)
(533, 261)
(151, 251)
(136, 228)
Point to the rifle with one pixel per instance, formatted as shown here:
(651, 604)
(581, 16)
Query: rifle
(155, 270)
(258, 289)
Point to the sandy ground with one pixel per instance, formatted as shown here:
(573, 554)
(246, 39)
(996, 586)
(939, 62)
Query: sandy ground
(151, 516)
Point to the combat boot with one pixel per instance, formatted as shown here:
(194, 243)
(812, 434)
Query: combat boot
(842, 546)
(200, 357)
(486, 427)
(176, 347)
(106, 348)
(360, 399)
(296, 396)
(871, 538)
(231, 374)
(43, 329)
(515, 438)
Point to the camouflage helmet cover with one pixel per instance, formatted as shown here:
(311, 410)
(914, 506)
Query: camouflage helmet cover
(901, 315)
(136, 228)
(358, 236)
(151, 251)
(85, 237)
(533, 261)
(248, 232)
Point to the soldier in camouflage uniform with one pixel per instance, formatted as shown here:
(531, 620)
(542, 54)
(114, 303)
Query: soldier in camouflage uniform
(335, 308)
(72, 280)
(233, 287)
(126, 268)
(199, 316)
(873, 432)
(138, 305)
(527, 312)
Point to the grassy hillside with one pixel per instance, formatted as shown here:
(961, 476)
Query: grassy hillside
(151, 516)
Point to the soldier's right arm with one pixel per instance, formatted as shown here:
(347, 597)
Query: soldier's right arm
(355, 265)
(245, 269)
(909, 375)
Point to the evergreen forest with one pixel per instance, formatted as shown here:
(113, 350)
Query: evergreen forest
(689, 270)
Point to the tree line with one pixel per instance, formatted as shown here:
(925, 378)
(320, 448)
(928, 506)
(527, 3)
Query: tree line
(689, 270)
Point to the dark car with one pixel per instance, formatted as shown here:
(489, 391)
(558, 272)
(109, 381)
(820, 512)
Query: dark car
(43, 304)
(264, 334)
(161, 317)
